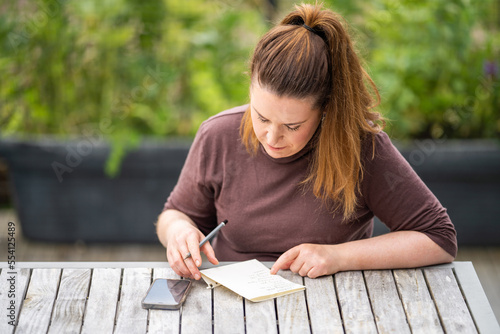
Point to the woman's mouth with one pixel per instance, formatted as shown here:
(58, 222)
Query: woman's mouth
(272, 148)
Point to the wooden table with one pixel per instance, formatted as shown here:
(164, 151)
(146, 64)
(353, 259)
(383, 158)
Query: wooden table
(105, 297)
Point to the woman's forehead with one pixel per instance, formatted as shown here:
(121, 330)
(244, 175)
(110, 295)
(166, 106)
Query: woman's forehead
(288, 109)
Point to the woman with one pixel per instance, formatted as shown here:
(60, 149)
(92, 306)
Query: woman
(301, 171)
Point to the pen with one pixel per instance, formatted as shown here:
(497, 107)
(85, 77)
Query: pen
(209, 236)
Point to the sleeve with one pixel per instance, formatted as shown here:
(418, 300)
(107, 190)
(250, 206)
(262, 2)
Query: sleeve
(192, 195)
(400, 199)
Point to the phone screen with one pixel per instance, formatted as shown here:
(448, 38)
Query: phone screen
(168, 294)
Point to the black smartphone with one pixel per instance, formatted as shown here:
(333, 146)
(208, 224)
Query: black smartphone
(166, 294)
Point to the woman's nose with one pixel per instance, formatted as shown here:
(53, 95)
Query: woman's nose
(273, 135)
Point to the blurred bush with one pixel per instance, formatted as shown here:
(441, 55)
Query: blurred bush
(436, 63)
(126, 68)
(122, 68)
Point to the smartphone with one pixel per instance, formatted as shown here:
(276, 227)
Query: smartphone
(166, 294)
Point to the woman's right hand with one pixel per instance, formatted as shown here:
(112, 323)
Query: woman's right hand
(180, 236)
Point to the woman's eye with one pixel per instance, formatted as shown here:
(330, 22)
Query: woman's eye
(291, 128)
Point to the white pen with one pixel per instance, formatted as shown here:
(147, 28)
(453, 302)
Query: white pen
(209, 236)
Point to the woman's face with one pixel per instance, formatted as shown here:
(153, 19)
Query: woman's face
(283, 125)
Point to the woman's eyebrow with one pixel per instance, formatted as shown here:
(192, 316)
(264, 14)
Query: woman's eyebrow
(297, 123)
(287, 124)
(258, 113)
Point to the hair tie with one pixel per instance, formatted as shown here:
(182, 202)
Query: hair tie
(309, 28)
(316, 32)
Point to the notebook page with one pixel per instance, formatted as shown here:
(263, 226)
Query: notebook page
(251, 279)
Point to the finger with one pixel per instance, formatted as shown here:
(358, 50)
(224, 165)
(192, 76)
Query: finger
(285, 260)
(313, 273)
(304, 270)
(182, 266)
(210, 253)
(182, 273)
(177, 264)
(299, 266)
(192, 261)
(193, 245)
(193, 269)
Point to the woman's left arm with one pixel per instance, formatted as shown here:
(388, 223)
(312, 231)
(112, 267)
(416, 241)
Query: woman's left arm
(402, 249)
(421, 230)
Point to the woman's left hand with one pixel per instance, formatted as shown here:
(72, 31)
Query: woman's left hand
(310, 260)
(401, 249)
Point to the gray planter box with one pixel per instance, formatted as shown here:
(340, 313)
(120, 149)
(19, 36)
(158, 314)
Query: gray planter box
(61, 193)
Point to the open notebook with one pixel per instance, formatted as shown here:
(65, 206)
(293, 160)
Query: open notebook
(251, 280)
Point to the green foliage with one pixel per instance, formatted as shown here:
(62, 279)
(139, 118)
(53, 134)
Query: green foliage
(126, 68)
(140, 68)
(435, 63)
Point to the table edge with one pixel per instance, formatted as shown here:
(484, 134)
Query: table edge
(475, 297)
(146, 264)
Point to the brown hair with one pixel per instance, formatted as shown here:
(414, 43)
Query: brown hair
(294, 61)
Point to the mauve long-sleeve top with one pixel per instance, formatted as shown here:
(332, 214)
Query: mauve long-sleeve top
(269, 211)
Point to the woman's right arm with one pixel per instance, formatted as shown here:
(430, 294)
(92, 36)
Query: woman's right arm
(180, 236)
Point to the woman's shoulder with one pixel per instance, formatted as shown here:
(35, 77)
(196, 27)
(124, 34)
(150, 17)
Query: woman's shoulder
(380, 138)
(377, 146)
(225, 122)
(222, 129)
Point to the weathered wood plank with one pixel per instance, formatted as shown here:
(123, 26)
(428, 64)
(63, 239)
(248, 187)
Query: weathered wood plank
(91, 264)
(228, 311)
(131, 317)
(486, 264)
(477, 302)
(493, 255)
(37, 306)
(67, 316)
(386, 304)
(164, 321)
(292, 309)
(11, 296)
(261, 317)
(196, 316)
(101, 305)
(418, 305)
(451, 306)
(354, 304)
(322, 303)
